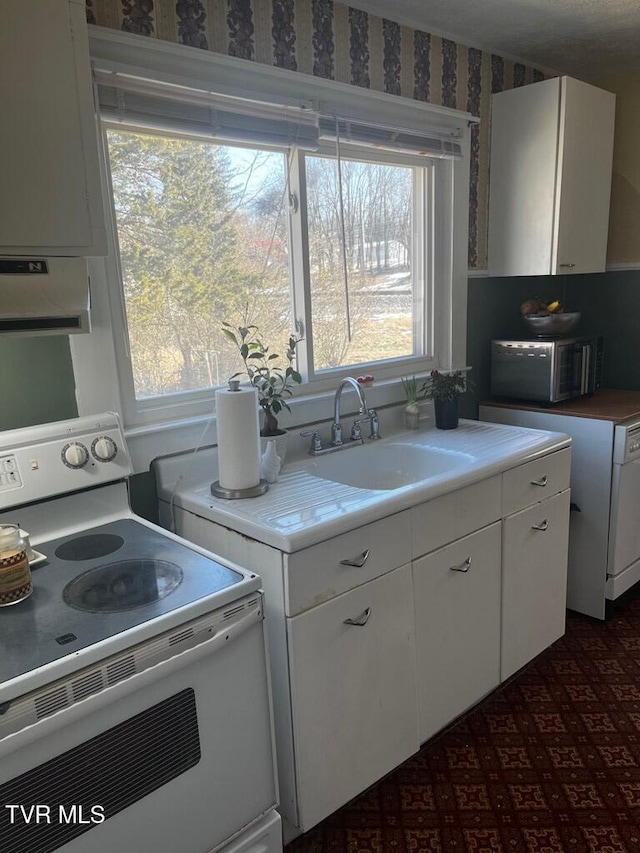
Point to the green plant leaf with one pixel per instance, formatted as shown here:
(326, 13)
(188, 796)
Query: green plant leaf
(229, 334)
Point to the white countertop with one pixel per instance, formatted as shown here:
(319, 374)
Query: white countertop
(302, 509)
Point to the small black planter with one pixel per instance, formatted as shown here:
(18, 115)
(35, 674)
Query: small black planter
(446, 413)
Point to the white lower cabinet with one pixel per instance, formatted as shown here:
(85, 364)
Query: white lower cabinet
(381, 636)
(457, 617)
(353, 692)
(534, 580)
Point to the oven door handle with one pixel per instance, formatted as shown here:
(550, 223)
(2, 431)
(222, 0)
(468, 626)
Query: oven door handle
(111, 695)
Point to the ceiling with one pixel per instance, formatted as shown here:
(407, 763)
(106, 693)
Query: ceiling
(588, 39)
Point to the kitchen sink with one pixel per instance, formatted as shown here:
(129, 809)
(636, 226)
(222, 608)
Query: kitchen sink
(385, 465)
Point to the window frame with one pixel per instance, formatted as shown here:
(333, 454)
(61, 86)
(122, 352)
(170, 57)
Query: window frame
(107, 346)
(423, 249)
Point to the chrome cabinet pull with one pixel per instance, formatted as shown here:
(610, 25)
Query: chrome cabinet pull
(463, 567)
(542, 526)
(566, 265)
(358, 562)
(360, 620)
(541, 482)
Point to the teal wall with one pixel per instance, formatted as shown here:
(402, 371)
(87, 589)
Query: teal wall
(36, 378)
(608, 303)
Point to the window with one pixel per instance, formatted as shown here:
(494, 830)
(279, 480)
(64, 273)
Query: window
(272, 209)
(203, 239)
(367, 239)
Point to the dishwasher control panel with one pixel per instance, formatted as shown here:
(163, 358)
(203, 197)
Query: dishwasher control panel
(626, 445)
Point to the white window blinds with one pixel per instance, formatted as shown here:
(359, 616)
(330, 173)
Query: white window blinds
(156, 106)
(430, 144)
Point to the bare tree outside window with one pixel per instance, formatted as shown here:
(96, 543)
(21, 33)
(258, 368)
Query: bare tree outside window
(373, 218)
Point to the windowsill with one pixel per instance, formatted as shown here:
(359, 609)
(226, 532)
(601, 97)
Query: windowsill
(148, 442)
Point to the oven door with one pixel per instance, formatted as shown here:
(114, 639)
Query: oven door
(176, 757)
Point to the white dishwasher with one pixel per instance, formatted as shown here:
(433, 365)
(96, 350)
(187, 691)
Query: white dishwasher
(604, 533)
(624, 529)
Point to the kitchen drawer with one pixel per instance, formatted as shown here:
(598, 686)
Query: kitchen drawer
(441, 520)
(321, 572)
(533, 482)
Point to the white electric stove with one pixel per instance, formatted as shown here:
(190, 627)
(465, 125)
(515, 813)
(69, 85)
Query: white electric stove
(134, 694)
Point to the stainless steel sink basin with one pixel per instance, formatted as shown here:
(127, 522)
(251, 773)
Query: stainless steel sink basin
(386, 465)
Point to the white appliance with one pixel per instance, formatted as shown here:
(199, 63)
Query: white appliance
(134, 692)
(44, 296)
(623, 565)
(604, 534)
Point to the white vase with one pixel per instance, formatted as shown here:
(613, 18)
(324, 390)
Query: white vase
(411, 416)
(270, 463)
(281, 440)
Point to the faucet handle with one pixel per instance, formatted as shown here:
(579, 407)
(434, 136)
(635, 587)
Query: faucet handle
(316, 443)
(375, 424)
(356, 431)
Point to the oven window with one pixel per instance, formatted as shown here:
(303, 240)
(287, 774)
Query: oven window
(113, 770)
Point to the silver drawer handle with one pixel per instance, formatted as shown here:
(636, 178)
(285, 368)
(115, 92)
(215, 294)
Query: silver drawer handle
(566, 265)
(360, 620)
(358, 562)
(463, 567)
(541, 482)
(542, 526)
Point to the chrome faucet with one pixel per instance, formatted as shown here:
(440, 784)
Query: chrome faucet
(336, 427)
(365, 414)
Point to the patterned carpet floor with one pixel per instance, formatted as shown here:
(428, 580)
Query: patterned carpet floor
(548, 763)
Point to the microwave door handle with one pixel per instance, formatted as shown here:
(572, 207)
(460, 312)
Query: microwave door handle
(578, 369)
(586, 363)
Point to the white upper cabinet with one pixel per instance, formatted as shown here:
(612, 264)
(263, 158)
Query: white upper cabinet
(550, 180)
(51, 201)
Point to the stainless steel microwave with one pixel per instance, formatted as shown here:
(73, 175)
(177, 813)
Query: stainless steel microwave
(546, 371)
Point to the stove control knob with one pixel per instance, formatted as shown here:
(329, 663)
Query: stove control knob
(75, 455)
(104, 448)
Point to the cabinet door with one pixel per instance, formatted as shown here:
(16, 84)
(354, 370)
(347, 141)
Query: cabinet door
(457, 612)
(551, 158)
(587, 118)
(524, 149)
(534, 583)
(49, 169)
(353, 692)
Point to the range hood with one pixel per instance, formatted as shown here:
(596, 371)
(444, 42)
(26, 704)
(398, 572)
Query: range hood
(43, 296)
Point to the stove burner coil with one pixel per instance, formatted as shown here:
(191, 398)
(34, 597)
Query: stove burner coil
(122, 586)
(89, 547)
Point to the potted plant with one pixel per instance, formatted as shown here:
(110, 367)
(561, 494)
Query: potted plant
(411, 411)
(445, 388)
(272, 375)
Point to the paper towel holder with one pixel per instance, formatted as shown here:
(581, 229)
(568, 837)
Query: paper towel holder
(219, 491)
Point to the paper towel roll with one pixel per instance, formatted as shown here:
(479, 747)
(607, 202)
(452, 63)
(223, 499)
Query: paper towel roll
(238, 438)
